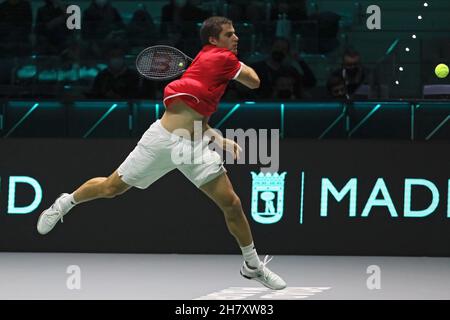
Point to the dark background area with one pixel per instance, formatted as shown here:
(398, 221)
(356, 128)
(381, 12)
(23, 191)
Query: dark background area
(159, 220)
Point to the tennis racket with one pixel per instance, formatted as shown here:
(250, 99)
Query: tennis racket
(162, 62)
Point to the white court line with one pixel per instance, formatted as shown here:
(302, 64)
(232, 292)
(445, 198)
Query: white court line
(243, 293)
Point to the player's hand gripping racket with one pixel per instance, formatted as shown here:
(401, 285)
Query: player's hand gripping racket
(162, 62)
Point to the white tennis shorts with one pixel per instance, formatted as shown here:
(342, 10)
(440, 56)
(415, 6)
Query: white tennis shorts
(159, 151)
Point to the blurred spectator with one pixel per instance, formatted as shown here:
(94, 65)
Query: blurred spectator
(352, 71)
(281, 62)
(336, 87)
(175, 14)
(284, 88)
(102, 24)
(51, 31)
(235, 10)
(294, 11)
(325, 32)
(179, 21)
(252, 11)
(15, 28)
(287, 17)
(141, 31)
(117, 81)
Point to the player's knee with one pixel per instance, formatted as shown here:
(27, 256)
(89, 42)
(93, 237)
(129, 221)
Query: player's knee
(232, 206)
(111, 190)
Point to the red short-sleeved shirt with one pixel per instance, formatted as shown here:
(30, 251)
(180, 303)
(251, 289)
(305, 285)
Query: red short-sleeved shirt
(204, 82)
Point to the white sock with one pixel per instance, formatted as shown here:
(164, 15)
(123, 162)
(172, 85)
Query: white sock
(250, 256)
(67, 202)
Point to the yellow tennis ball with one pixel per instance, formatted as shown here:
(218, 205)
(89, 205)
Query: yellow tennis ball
(181, 64)
(441, 70)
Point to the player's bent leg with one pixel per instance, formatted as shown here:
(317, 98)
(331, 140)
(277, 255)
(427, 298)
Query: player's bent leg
(220, 190)
(100, 187)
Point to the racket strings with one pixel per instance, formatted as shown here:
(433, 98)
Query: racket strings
(161, 63)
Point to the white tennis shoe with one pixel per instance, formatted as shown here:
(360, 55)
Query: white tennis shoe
(263, 275)
(50, 217)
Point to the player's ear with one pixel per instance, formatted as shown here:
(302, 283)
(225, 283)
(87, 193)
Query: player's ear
(213, 40)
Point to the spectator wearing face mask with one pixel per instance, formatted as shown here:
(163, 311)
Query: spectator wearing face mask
(281, 62)
(117, 81)
(352, 71)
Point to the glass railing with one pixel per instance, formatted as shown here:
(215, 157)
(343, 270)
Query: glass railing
(414, 120)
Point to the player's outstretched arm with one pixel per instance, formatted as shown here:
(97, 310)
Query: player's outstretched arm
(248, 77)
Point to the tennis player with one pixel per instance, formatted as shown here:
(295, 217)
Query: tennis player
(193, 97)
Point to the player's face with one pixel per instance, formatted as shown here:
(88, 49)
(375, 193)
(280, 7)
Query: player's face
(228, 38)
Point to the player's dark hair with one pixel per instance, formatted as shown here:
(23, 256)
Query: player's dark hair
(212, 27)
